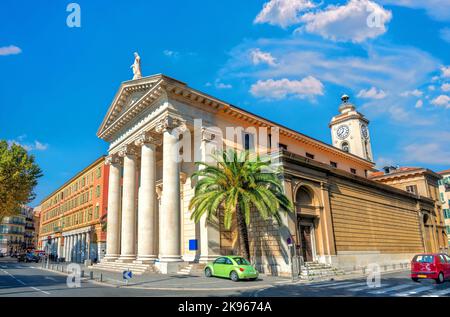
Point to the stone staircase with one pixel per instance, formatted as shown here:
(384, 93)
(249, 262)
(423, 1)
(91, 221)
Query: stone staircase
(192, 269)
(136, 268)
(316, 270)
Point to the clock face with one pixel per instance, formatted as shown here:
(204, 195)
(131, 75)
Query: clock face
(343, 132)
(364, 131)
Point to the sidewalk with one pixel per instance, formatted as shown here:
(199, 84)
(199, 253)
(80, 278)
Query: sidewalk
(154, 281)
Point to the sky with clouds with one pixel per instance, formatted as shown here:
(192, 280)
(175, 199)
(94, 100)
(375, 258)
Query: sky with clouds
(287, 60)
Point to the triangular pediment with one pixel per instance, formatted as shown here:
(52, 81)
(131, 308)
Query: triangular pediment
(132, 96)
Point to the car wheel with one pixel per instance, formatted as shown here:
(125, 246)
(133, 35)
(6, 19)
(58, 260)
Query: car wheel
(234, 276)
(208, 272)
(440, 278)
(415, 279)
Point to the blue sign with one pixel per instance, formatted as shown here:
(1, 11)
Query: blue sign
(127, 275)
(289, 241)
(193, 245)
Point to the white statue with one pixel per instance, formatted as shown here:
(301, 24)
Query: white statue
(136, 66)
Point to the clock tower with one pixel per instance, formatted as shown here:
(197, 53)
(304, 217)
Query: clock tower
(350, 132)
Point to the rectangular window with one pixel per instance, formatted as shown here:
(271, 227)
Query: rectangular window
(412, 189)
(447, 213)
(353, 171)
(333, 164)
(97, 212)
(442, 197)
(282, 146)
(448, 229)
(310, 156)
(97, 191)
(99, 172)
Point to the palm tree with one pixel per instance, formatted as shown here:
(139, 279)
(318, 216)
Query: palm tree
(238, 185)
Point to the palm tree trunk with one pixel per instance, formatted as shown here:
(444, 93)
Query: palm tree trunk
(242, 234)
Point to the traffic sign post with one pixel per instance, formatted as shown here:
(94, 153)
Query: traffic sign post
(127, 275)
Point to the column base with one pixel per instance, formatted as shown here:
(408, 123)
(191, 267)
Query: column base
(126, 258)
(208, 258)
(149, 259)
(169, 267)
(110, 257)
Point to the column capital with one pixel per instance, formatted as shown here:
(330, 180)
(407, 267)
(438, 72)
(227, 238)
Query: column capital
(127, 150)
(112, 159)
(147, 138)
(207, 135)
(168, 123)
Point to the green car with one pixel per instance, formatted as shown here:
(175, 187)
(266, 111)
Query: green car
(234, 267)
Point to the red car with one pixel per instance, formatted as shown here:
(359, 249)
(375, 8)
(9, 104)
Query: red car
(430, 266)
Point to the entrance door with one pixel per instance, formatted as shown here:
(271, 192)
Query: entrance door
(306, 238)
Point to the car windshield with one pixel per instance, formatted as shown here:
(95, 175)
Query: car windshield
(424, 259)
(241, 261)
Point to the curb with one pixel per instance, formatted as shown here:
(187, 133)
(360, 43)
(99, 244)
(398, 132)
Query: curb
(85, 279)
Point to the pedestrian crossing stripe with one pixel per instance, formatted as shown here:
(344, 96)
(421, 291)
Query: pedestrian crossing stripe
(442, 292)
(349, 285)
(390, 289)
(329, 284)
(367, 287)
(415, 291)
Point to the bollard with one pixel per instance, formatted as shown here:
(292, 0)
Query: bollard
(82, 273)
(91, 275)
(101, 277)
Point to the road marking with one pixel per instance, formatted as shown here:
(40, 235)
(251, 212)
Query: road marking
(441, 292)
(329, 284)
(50, 278)
(390, 289)
(349, 285)
(415, 291)
(39, 290)
(365, 288)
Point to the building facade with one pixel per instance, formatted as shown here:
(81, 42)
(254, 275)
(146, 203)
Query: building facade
(342, 217)
(444, 197)
(71, 218)
(16, 232)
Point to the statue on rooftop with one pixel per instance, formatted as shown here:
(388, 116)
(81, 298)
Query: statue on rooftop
(136, 66)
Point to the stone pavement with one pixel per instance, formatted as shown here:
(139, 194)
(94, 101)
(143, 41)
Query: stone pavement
(154, 281)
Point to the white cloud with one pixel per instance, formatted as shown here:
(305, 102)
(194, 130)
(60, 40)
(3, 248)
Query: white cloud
(372, 93)
(415, 93)
(36, 146)
(437, 9)
(170, 53)
(427, 153)
(445, 71)
(355, 21)
(10, 50)
(445, 87)
(283, 12)
(431, 88)
(445, 34)
(259, 57)
(278, 89)
(40, 146)
(441, 101)
(220, 85)
(419, 103)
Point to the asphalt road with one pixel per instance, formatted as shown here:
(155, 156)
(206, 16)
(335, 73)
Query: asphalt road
(27, 279)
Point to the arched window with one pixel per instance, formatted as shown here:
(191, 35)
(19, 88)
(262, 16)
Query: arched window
(345, 147)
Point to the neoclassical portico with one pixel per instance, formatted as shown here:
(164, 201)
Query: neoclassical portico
(132, 201)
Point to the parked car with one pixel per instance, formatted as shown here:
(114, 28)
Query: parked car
(32, 257)
(430, 266)
(21, 257)
(234, 267)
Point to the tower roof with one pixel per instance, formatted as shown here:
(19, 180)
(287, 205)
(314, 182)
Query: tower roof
(346, 105)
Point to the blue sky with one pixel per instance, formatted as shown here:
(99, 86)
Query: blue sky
(285, 60)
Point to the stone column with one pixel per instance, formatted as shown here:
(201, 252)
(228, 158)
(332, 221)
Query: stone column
(58, 248)
(147, 200)
(71, 248)
(209, 229)
(83, 247)
(113, 222)
(170, 213)
(128, 237)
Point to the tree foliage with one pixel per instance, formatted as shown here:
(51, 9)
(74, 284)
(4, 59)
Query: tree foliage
(18, 177)
(238, 185)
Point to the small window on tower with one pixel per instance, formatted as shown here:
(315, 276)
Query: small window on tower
(333, 164)
(345, 147)
(353, 171)
(310, 156)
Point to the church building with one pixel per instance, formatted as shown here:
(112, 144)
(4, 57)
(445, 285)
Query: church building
(344, 218)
